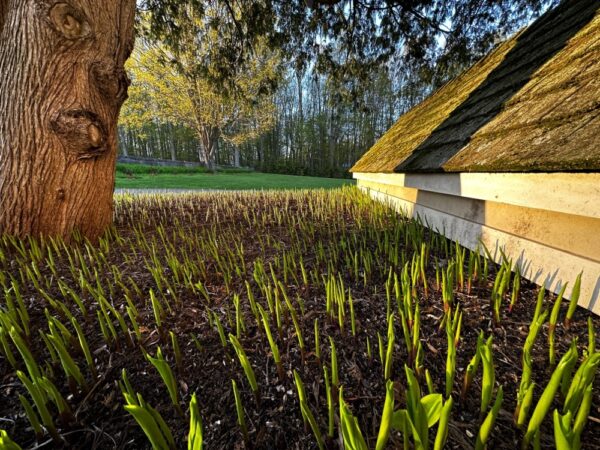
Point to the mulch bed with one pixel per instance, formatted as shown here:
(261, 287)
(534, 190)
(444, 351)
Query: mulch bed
(276, 423)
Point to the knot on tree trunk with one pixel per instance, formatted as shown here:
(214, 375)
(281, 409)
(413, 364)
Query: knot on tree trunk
(112, 81)
(68, 21)
(81, 132)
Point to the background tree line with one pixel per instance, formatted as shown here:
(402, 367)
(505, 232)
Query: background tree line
(320, 97)
(312, 132)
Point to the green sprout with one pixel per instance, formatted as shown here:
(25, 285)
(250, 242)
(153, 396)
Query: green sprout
(317, 344)
(575, 292)
(385, 426)
(489, 377)
(195, 434)
(442, 432)
(245, 363)
(272, 344)
(450, 360)
(545, 401)
(525, 392)
(335, 380)
(307, 415)
(389, 354)
(163, 368)
(488, 424)
(6, 443)
(473, 366)
(584, 376)
(40, 397)
(552, 326)
(239, 408)
(516, 288)
(351, 433)
(330, 403)
(420, 415)
(151, 422)
(176, 350)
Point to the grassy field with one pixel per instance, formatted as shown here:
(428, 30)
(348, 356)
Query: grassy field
(246, 180)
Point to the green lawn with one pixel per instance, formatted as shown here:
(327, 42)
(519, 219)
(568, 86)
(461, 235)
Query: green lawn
(250, 180)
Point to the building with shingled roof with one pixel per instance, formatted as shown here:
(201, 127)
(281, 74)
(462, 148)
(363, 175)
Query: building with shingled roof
(507, 155)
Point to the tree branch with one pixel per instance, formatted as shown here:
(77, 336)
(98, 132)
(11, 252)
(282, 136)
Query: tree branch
(317, 3)
(389, 5)
(237, 24)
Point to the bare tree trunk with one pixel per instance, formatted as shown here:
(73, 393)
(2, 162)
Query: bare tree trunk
(236, 157)
(201, 157)
(333, 135)
(124, 142)
(208, 138)
(300, 125)
(171, 143)
(62, 84)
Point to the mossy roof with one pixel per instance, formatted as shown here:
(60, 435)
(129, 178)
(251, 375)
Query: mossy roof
(531, 105)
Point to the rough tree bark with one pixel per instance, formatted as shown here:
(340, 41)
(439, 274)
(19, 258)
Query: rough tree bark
(62, 84)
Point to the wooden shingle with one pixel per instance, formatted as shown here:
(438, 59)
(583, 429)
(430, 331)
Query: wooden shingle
(531, 105)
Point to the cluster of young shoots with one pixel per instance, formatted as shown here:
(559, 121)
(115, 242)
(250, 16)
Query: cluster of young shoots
(304, 291)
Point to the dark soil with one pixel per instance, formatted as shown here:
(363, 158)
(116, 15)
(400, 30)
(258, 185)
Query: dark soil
(267, 225)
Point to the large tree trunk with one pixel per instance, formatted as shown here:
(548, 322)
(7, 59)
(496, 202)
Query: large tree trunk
(62, 84)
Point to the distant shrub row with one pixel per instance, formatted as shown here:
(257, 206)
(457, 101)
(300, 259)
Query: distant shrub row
(143, 169)
(291, 168)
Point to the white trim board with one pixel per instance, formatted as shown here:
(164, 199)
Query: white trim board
(571, 193)
(538, 262)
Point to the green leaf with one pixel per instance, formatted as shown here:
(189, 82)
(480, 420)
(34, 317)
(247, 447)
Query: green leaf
(166, 374)
(574, 298)
(239, 409)
(351, 434)
(488, 424)
(40, 399)
(195, 435)
(432, 404)
(69, 366)
(307, 414)
(525, 405)
(556, 307)
(547, 397)
(32, 416)
(400, 420)
(582, 378)
(162, 425)
(145, 419)
(489, 377)
(335, 380)
(272, 343)
(6, 443)
(30, 363)
(582, 416)
(386, 417)
(245, 362)
(442, 432)
(561, 431)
